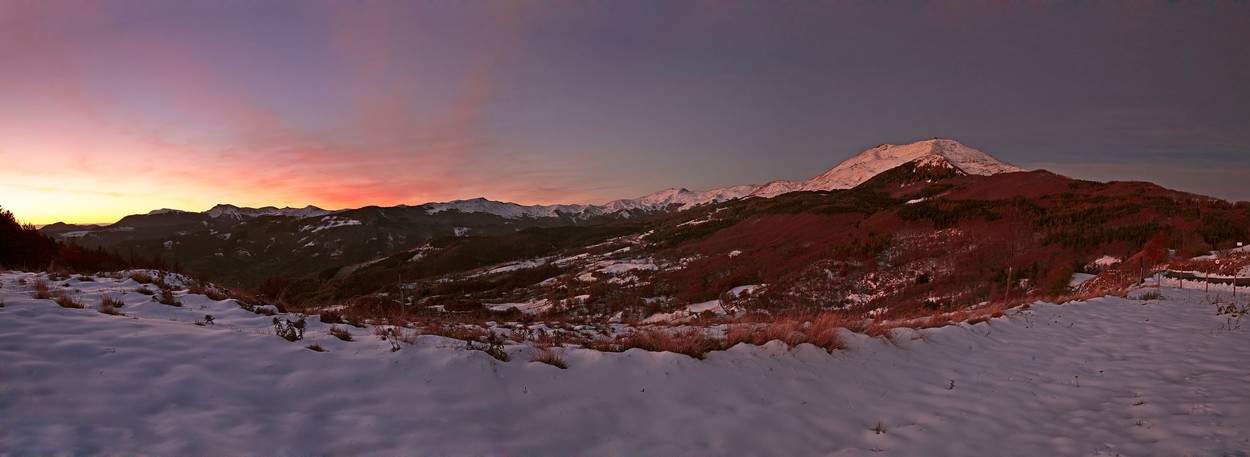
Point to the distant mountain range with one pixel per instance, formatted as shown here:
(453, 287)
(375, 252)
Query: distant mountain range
(847, 174)
(228, 242)
(899, 230)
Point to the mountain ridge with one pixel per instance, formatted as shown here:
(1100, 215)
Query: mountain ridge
(849, 173)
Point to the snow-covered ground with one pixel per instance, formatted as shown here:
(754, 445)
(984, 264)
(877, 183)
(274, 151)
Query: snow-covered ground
(1105, 377)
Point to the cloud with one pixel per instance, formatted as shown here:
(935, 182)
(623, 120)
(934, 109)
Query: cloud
(164, 112)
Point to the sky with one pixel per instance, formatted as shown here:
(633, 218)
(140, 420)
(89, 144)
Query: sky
(110, 108)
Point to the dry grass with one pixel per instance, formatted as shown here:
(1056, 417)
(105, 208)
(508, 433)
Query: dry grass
(316, 347)
(209, 291)
(142, 278)
(549, 357)
(167, 298)
(331, 317)
(66, 301)
(824, 332)
(109, 305)
(340, 333)
(41, 289)
(694, 343)
(821, 330)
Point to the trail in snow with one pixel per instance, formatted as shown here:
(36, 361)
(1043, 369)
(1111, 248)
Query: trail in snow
(1106, 377)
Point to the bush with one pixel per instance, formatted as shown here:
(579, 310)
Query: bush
(492, 344)
(394, 336)
(289, 330)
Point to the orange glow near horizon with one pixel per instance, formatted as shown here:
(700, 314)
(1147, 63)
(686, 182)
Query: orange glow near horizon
(119, 120)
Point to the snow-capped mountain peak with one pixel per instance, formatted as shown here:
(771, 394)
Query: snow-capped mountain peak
(504, 209)
(231, 211)
(863, 166)
(876, 160)
(681, 197)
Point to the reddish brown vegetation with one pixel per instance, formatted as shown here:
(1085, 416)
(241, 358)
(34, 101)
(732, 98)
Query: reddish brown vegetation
(109, 305)
(550, 357)
(66, 301)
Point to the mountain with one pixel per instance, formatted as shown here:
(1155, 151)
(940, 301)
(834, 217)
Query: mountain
(854, 171)
(508, 210)
(932, 153)
(245, 245)
(943, 153)
(235, 212)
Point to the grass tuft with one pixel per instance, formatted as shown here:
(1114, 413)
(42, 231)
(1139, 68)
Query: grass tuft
(41, 289)
(549, 357)
(109, 305)
(340, 333)
(66, 301)
(167, 298)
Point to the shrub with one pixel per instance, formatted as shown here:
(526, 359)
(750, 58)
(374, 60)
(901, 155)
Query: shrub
(492, 344)
(549, 357)
(316, 347)
(394, 336)
(1150, 295)
(65, 301)
(340, 333)
(145, 291)
(142, 277)
(289, 330)
(109, 305)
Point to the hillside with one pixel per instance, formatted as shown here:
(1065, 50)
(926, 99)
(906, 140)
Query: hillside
(912, 241)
